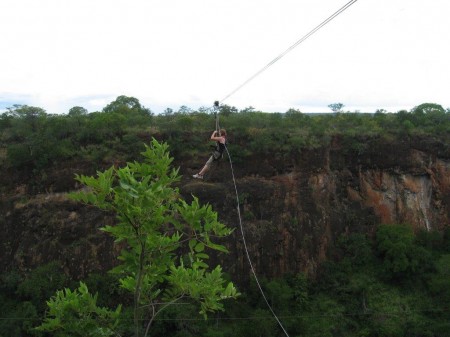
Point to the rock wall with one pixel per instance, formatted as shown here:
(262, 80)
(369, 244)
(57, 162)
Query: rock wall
(294, 211)
(293, 207)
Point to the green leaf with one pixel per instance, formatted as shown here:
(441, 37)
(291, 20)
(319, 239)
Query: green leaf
(217, 247)
(192, 244)
(200, 247)
(200, 264)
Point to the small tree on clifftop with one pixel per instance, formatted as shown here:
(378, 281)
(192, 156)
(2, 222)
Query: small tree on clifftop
(155, 223)
(336, 107)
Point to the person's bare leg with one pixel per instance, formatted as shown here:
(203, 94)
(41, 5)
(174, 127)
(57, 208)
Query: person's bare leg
(201, 173)
(203, 170)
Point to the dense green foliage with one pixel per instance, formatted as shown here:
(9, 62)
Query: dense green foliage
(23, 297)
(34, 140)
(76, 313)
(353, 295)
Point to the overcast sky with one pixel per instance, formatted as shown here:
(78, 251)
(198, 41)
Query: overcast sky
(378, 54)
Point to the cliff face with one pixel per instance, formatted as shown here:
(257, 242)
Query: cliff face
(293, 207)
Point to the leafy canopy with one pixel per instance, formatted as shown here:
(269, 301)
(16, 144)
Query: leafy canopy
(75, 313)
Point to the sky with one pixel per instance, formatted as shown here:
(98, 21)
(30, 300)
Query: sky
(378, 54)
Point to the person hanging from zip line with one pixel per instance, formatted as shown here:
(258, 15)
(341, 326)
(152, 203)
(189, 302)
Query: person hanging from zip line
(221, 140)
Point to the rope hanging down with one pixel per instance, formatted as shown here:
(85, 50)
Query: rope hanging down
(339, 11)
(216, 112)
(216, 107)
(246, 249)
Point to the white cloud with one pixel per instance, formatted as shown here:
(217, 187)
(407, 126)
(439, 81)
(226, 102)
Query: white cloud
(178, 52)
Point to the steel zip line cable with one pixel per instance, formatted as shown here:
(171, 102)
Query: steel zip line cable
(339, 11)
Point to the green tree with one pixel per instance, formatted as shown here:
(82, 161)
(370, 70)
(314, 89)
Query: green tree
(26, 111)
(41, 283)
(77, 111)
(326, 318)
(295, 117)
(248, 109)
(440, 282)
(126, 104)
(293, 111)
(388, 312)
(184, 110)
(428, 108)
(336, 107)
(227, 110)
(401, 256)
(168, 112)
(166, 237)
(5, 123)
(28, 118)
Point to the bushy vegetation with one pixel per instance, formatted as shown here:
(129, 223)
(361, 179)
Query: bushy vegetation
(33, 140)
(371, 288)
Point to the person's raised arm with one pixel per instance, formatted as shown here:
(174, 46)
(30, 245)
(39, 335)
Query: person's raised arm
(215, 137)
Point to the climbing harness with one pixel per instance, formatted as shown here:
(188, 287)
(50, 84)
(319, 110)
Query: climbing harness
(219, 149)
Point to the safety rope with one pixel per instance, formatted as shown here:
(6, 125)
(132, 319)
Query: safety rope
(216, 112)
(246, 249)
